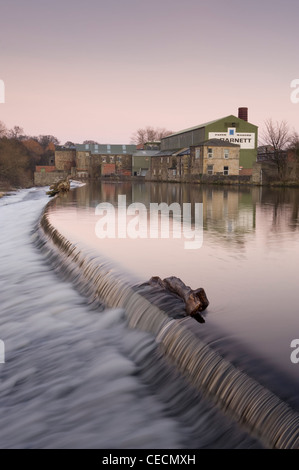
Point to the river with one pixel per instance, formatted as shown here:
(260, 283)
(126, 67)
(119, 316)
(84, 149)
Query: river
(77, 376)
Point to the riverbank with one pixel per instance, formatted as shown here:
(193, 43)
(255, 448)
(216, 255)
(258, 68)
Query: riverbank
(219, 181)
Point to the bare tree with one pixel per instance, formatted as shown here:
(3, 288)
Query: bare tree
(149, 134)
(3, 130)
(45, 140)
(277, 135)
(69, 144)
(294, 144)
(16, 133)
(91, 142)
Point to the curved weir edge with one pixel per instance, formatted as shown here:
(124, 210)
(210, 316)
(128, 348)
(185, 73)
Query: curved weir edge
(262, 413)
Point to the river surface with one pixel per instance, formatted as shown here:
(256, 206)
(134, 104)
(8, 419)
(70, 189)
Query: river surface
(75, 375)
(247, 264)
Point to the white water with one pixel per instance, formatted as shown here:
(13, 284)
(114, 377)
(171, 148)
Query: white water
(77, 377)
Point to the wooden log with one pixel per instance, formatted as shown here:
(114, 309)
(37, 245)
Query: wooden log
(196, 301)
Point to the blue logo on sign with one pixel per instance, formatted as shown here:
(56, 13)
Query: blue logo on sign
(231, 132)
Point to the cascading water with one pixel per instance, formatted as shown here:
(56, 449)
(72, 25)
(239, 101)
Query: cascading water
(108, 368)
(75, 375)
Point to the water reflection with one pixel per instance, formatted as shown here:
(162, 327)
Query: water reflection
(247, 264)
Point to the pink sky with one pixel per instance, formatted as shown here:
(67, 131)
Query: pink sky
(100, 69)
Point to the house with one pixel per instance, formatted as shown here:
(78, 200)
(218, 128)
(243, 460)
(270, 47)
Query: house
(215, 157)
(164, 165)
(208, 158)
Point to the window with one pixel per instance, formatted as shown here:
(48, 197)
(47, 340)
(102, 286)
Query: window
(161, 159)
(154, 172)
(174, 172)
(112, 159)
(226, 153)
(86, 154)
(197, 153)
(86, 146)
(124, 149)
(96, 146)
(210, 153)
(103, 159)
(168, 160)
(108, 148)
(210, 169)
(225, 170)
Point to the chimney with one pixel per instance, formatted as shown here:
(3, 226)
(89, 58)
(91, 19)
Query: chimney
(243, 114)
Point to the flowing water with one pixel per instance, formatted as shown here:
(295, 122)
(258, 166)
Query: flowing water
(90, 363)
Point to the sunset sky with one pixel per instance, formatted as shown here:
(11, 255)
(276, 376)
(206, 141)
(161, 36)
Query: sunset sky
(100, 69)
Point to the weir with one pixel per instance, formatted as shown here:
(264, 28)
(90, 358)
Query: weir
(242, 398)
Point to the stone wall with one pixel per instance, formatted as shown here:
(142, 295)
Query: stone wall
(264, 173)
(48, 178)
(65, 159)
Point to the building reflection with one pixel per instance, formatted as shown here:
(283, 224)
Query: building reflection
(229, 211)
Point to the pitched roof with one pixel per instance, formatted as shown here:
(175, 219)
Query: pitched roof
(167, 153)
(145, 153)
(205, 124)
(217, 143)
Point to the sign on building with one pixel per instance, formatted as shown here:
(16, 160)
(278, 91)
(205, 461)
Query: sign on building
(244, 139)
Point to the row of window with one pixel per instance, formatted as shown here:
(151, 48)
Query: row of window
(96, 148)
(210, 170)
(210, 153)
(104, 159)
(225, 153)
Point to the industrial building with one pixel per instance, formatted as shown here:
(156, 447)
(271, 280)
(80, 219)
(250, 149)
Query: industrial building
(232, 129)
(225, 147)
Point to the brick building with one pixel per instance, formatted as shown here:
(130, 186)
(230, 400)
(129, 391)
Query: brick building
(211, 157)
(96, 160)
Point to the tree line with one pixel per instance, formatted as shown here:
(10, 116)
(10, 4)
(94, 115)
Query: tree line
(20, 153)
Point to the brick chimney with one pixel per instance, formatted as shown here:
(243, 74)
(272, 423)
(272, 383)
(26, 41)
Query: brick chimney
(243, 114)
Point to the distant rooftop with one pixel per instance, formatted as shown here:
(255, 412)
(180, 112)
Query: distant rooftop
(145, 153)
(107, 148)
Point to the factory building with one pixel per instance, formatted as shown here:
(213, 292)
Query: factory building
(231, 129)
